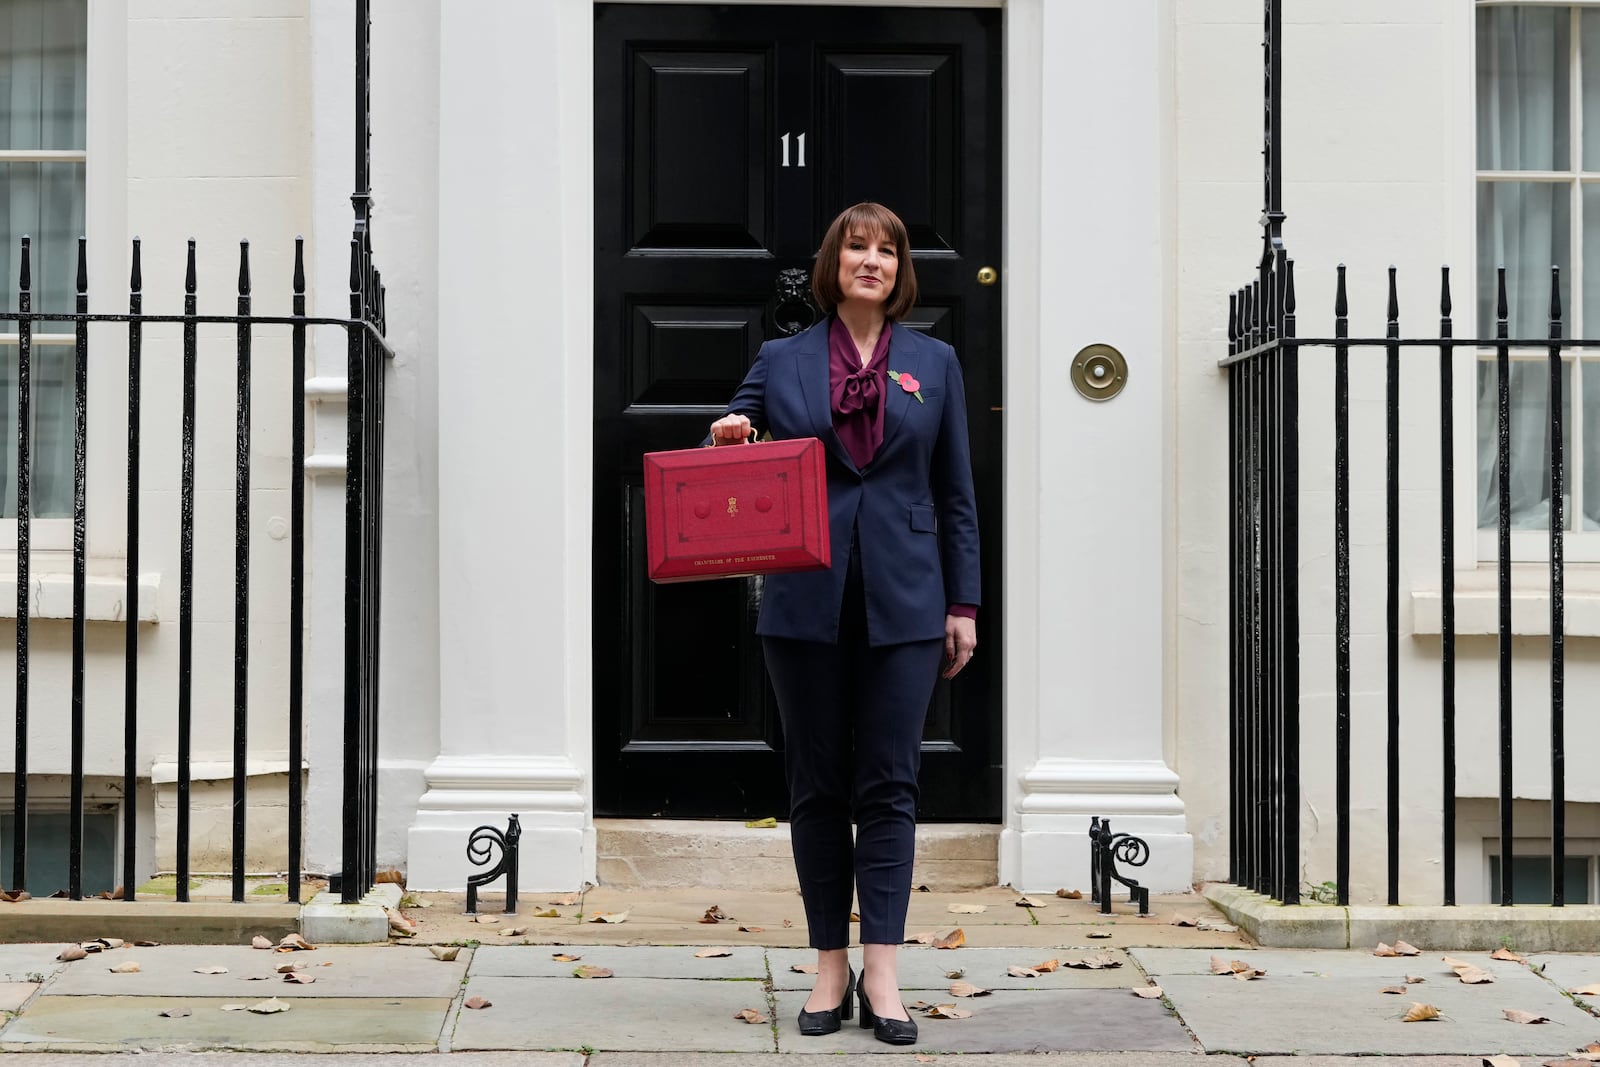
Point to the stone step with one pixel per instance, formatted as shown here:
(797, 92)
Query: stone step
(681, 853)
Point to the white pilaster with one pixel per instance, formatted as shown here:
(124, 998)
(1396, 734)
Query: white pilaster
(1088, 485)
(514, 400)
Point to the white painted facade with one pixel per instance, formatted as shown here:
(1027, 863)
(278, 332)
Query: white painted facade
(1132, 186)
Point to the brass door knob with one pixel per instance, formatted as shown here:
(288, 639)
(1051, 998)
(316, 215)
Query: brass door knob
(988, 275)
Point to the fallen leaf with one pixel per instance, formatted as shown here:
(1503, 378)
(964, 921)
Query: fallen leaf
(855, 916)
(550, 913)
(921, 889)
(125, 968)
(750, 1015)
(390, 875)
(1501, 1061)
(211, 970)
(565, 957)
(514, 931)
(1069, 894)
(1415, 979)
(1404, 949)
(948, 1011)
(608, 917)
(256, 978)
(234, 1007)
(1099, 933)
(752, 929)
(486, 920)
(1421, 1013)
(295, 943)
(92, 946)
(1384, 950)
(1149, 992)
(72, 952)
(1471, 975)
(714, 914)
(399, 924)
(1503, 953)
(176, 1013)
(769, 823)
(1185, 920)
(713, 953)
(590, 971)
(16, 897)
(1590, 990)
(1218, 928)
(1517, 1016)
(967, 989)
(959, 972)
(924, 938)
(415, 903)
(1047, 966)
(1220, 966)
(260, 942)
(803, 968)
(300, 979)
(922, 1059)
(111, 942)
(1022, 972)
(569, 899)
(477, 1003)
(954, 939)
(1567, 1063)
(1393, 989)
(921, 1005)
(1097, 961)
(1455, 964)
(269, 1007)
(447, 953)
(1029, 902)
(966, 909)
(787, 924)
(147, 944)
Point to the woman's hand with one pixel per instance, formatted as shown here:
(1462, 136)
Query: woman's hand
(730, 430)
(960, 638)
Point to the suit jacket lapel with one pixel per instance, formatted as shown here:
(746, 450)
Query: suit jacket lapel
(904, 358)
(811, 361)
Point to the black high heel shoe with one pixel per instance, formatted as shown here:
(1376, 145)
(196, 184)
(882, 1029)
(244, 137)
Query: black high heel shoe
(889, 1031)
(819, 1023)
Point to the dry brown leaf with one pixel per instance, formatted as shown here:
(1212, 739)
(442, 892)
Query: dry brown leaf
(260, 942)
(390, 875)
(1029, 902)
(295, 943)
(1471, 975)
(125, 968)
(1406, 950)
(92, 946)
(921, 889)
(590, 971)
(1590, 990)
(855, 916)
(1501, 1061)
(1421, 1013)
(1095, 961)
(486, 920)
(803, 968)
(147, 944)
(954, 939)
(513, 931)
(1393, 989)
(270, 1006)
(549, 913)
(1022, 972)
(16, 897)
(1503, 953)
(752, 929)
(967, 989)
(966, 909)
(713, 953)
(608, 917)
(446, 953)
(750, 1015)
(924, 938)
(920, 1058)
(1149, 992)
(1567, 1063)
(211, 970)
(176, 1013)
(1047, 966)
(1099, 933)
(1593, 1046)
(1415, 979)
(787, 924)
(477, 1003)
(1249, 974)
(959, 972)
(1384, 950)
(300, 979)
(714, 914)
(111, 942)
(565, 957)
(1220, 966)
(234, 1007)
(569, 899)
(289, 968)
(255, 978)
(72, 952)
(1517, 1016)
(948, 1011)
(1455, 964)
(1069, 894)
(1185, 920)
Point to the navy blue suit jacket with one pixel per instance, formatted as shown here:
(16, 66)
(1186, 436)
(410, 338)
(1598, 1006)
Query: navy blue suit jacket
(914, 502)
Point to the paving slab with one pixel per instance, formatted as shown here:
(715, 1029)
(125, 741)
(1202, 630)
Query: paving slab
(645, 961)
(270, 1059)
(121, 1024)
(1569, 971)
(1343, 963)
(388, 971)
(843, 1059)
(630, 1014)
(1014, 1021)
(19, 962)
(13, 995)
(926, 968)
(1302, 1013)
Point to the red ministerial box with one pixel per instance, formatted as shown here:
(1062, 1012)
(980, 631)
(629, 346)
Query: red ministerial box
(736, 510)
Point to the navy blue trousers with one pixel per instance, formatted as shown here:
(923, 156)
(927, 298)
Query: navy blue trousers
(852, 734)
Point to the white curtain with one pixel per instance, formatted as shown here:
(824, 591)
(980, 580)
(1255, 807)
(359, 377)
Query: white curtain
(43, 53)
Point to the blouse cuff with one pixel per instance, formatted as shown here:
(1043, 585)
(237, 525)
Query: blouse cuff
(963, 611)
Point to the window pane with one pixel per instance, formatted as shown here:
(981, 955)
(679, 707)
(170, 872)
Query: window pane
(45, 201)
(1533, 879)
(1523, 89)
(43, 50)
(47, 852)
(52, 420)
(1530, 444)
(1591, 438)
(1589, 56)
(1526, 227)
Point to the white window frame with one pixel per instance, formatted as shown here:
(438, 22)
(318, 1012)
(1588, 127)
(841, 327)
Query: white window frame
(1528, 546)
(1578, 848)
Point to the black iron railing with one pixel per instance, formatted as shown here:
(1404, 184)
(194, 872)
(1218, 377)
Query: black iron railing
(368, 351)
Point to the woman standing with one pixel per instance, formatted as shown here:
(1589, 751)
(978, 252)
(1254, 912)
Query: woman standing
(853, 651)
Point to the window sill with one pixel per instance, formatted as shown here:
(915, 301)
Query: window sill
(105, 596)
(1478, 602)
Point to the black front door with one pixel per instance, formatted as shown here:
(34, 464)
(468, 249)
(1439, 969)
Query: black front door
(726, 139)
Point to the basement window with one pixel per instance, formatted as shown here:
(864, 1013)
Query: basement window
(47, 851)
(1532, 879)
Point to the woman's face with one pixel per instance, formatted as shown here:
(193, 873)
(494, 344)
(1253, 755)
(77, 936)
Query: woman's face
(868, 264)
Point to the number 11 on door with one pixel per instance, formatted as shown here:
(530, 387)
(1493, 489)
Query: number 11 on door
(800, 149)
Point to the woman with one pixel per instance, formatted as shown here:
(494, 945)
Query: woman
(853, 652)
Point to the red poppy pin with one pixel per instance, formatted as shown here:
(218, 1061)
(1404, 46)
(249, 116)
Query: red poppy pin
(908, 383)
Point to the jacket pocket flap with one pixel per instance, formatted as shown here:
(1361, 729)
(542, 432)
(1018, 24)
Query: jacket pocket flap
(922, 518)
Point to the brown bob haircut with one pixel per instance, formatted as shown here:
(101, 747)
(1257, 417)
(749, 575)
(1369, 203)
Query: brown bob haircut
(869, 220)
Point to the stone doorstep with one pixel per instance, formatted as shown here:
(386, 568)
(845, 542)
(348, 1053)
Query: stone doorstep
(710, 854)
(198, 922)
(1530, 928)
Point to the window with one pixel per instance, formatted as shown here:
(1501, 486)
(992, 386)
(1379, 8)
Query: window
(48, 838)
(1532, 881)
(43, 77)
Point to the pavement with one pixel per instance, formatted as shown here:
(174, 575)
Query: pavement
(512, 993)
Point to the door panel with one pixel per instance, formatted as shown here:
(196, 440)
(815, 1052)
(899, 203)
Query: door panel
(726, 139)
